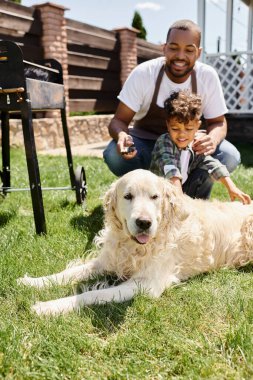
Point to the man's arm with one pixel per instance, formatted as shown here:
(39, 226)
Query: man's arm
(118, 129)
(216, 132)
(121, 120)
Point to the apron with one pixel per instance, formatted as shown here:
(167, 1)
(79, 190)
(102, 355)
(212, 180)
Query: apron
(153, 124)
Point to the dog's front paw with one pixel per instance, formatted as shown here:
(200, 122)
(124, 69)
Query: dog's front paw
(56, 307)
(30, 281)
(45, 308)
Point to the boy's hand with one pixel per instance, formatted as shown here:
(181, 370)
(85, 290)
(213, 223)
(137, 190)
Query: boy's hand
(176, 182)
(234, 192)
(237, 193)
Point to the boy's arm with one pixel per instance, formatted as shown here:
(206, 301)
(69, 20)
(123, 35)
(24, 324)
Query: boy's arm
(165, 158)
(176, 182)
(233, 190)
(219, 172)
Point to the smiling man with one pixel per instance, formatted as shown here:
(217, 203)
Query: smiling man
(142, 100)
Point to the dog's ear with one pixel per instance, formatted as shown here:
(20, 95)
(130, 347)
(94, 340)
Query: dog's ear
(171, 192)
(175, 200)
(109, 198)
(109, 205)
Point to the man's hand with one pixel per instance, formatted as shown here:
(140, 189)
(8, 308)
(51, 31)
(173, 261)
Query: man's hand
(124, 142)
(204, 143)
(118, 129)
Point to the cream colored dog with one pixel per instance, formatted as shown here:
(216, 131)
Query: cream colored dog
(154, 237)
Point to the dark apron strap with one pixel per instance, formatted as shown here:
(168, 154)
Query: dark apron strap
(194, 82)
(157, 85)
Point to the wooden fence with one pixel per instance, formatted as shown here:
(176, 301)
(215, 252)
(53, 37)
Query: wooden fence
(93, 55)
(23, 26)
(147, 50)
(93, 67)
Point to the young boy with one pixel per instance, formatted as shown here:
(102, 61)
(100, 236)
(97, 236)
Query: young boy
(173, 156)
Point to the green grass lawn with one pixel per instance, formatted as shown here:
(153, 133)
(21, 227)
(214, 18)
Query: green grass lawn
(201, 329)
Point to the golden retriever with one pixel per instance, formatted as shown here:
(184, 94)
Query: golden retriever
(154, 237)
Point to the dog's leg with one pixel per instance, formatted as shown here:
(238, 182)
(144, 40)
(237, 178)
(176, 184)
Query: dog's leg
(120, 293)
(69, 275)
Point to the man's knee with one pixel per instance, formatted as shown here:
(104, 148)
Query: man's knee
(232, 160)
(228, 155)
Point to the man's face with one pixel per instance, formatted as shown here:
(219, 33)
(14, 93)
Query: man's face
(181, 52)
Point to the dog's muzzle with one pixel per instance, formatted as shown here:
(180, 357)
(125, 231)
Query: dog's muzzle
(143, 225)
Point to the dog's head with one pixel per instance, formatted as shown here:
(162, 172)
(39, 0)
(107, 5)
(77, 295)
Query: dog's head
(140, 203)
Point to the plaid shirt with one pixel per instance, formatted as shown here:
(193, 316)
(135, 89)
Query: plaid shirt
(165, 152)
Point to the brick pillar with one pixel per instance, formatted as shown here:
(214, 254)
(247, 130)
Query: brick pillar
(128, 51)
(54, 38)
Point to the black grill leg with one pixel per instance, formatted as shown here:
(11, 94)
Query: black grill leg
(5, 149)
(67, 145)
(33, 167)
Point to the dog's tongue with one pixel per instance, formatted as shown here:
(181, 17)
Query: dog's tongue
(142, 238)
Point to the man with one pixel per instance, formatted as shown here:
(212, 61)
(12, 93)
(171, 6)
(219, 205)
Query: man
(142, 100)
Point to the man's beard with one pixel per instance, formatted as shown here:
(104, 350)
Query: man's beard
(178, 74)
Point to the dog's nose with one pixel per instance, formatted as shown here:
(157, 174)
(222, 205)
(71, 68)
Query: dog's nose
(144, 224)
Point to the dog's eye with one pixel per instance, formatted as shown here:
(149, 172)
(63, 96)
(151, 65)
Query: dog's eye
(128, 196)
(155, 196)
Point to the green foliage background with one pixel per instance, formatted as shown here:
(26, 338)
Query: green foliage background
(138, 24)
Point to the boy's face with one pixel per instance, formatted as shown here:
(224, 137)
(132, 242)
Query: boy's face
(182, 134)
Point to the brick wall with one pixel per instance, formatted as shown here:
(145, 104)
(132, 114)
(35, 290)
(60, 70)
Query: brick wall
(128, 51)
(54, 38)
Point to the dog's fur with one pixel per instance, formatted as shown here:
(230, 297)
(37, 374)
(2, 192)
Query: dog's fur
(153, 237)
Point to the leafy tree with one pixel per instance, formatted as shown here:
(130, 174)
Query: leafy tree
(138, 24)
(16, 1)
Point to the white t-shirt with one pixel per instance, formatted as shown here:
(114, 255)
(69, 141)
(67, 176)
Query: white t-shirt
(185, 160)
(184, 164)
(139, 87)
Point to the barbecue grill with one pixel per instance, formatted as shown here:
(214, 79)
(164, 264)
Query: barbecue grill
(26, 87)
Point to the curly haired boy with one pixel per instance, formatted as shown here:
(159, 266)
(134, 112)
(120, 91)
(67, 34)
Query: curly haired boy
(173, 156)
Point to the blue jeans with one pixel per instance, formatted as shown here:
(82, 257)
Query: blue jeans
(199, 183)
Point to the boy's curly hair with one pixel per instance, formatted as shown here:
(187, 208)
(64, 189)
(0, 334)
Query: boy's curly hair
(184, 106)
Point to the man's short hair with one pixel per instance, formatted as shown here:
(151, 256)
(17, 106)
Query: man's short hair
(185, 25)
